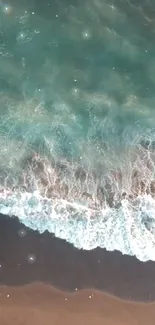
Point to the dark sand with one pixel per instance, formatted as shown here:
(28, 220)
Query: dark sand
(44, 280)
(61, 265)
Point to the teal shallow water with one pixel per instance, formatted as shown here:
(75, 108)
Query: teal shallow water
(77, 121)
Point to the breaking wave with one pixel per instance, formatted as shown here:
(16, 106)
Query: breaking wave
(112, 209)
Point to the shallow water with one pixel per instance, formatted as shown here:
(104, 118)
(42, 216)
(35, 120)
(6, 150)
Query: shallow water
(77, 115)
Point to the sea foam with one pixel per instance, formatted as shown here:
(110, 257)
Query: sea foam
(129, 228)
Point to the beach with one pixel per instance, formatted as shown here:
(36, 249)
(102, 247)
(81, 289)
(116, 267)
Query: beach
(77, 162)
(27, 256)
(44, 280)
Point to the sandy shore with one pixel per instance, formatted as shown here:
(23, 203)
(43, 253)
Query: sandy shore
(44, 281)
(41, 304)
(27, 257)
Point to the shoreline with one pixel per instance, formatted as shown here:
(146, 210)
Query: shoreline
(27, 257)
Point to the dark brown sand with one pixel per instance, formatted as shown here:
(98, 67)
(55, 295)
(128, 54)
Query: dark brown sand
(40, 304)
(27, 257)
(44, 280)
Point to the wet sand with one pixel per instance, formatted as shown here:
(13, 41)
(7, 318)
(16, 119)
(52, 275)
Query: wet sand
(41, 304)
(44, 280)
(27, 257)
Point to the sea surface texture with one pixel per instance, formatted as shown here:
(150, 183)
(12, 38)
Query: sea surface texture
(77, 121)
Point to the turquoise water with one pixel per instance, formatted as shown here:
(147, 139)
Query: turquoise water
(77, 121)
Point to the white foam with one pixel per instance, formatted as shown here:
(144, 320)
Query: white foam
(120, 229)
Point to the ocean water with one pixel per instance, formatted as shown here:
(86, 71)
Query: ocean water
(77, 121)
